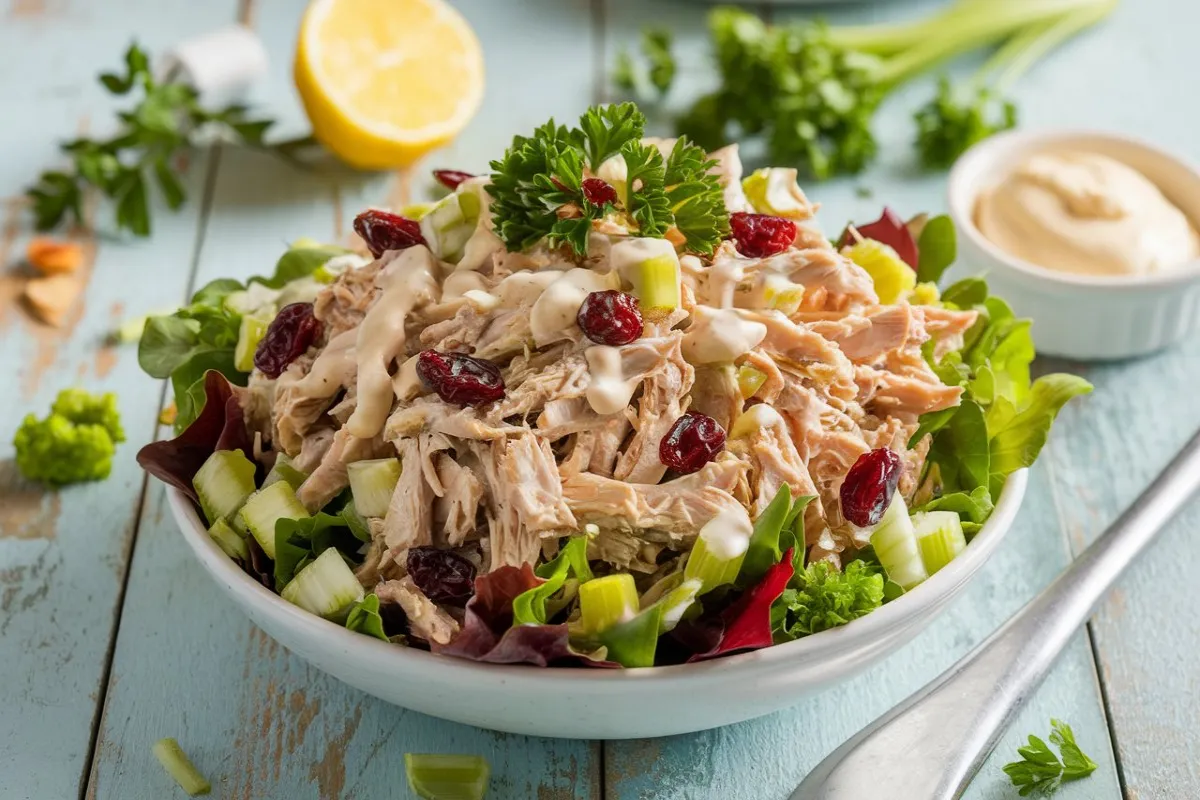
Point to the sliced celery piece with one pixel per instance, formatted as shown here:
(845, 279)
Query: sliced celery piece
(223, 483)
(940, 537)
(250, 333)
(775, 191)
(229, 540)
(895, 544)
(449, 224)
(326, 587)
(605, 602)
(750, 380)
(447, 777)
(180, 768)
(372, 483)
(720, 548)
(415, 211)
(652, 266)
(676, 602)
(265, 507)
(284, 471)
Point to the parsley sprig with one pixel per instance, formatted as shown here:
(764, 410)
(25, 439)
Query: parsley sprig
(167, 121)
(537, 192)
(1040, 772)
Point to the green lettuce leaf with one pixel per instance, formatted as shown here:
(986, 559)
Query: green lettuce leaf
(633, 643)
(299, 541)
(961, 449)
(937, 247)
(364, 618)
(1017, 436)
(529, 607)
(299, 262)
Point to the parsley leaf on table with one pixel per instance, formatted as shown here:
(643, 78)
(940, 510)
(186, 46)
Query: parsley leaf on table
(167, 121)
(1040, 772)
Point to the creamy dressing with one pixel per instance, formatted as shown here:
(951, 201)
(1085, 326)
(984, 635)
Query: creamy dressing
(1088, 214)
(727, 535)
(457, 284)
(524, 288)
(727, 271)
(552, 317)
(720, 335)
(331, 370)
(407, 384)
(407, 281)
(609, 391)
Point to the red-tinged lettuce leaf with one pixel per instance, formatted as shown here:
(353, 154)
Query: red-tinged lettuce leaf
(260, 566)
(487, 633)
(892, 231)
(220, 426)
(748, 621)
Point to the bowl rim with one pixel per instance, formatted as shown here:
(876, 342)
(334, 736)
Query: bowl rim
(939, 587)
(961, 196)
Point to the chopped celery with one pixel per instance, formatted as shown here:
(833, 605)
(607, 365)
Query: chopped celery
(939, 536)
(250, 333)
(652, 267)
(925, 294)
(895, 544)
(255, 299)
(326, 587)
(300, 290)
(223, 483)
(754, 419)
(229, 540)
(331, 269)
(449, 224)
(893, 278)
(447, 777)
(676, 602)
(720, 548)
(284, 471)
(750, 380)
(775, 191)
(180, 768)
(604, 602)
(372, 483)
(415, 211)
(781, 294)
(265, 507)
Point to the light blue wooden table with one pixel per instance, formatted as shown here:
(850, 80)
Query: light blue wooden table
(111, 638)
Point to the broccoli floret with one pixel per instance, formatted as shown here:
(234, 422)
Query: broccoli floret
(76, 442)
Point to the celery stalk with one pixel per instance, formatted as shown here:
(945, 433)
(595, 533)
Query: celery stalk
(180, 768)
(267, 506)
(605, 602)
(447, 777)
(229, 540)
(326, 587)
(284, 471)
(895, 543)
(250, 333)
(372, 483)
(720, 548)
(939, 537)
(223, 483)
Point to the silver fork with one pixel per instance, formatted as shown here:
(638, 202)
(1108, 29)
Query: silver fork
(931, 745)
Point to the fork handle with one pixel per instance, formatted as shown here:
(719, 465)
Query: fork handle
(933, 743)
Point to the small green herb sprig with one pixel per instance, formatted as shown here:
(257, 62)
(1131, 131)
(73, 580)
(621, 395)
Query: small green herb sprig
(166, 122)
(1040, 773)
(541, 177)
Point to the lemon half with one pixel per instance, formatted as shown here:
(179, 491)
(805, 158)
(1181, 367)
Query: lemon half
(386, 81)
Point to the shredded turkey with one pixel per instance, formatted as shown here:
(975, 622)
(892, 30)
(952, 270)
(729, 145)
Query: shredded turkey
(425, 620)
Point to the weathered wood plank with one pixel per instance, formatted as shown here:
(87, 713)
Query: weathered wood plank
(258, 721)
(766, 758)
(63, 554)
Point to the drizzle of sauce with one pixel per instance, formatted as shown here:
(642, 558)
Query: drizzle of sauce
(524, 288)
(552, 317)
(407, 383)
(720, 335)
(727, 535)
(726, 272)
(409, 280)
(609, 391)
(331, 370)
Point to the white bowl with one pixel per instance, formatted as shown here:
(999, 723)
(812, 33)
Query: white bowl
(1082, 316)
(586, 703)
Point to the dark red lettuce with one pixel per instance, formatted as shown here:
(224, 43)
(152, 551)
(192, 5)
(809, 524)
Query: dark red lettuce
(890, 230)
(487, 633)
(747, 623)
(220, 426)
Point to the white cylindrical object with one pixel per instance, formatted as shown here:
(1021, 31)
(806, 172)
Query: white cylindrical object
(221, 65)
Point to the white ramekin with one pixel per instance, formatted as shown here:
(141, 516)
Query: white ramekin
(1082, 316)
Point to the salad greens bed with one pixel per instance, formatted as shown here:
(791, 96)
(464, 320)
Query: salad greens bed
(565, 611)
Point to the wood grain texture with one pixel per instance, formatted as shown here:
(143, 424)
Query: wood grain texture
(63, 554)
(258, 721)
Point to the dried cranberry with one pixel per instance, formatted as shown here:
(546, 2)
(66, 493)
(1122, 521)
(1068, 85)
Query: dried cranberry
(610, 317)
(442, 575)
(761, 235)
(451, 178)
(869, 486)
(693, 441)
(598, 192)
(293, 331)
(383, 231)
(460, 379)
